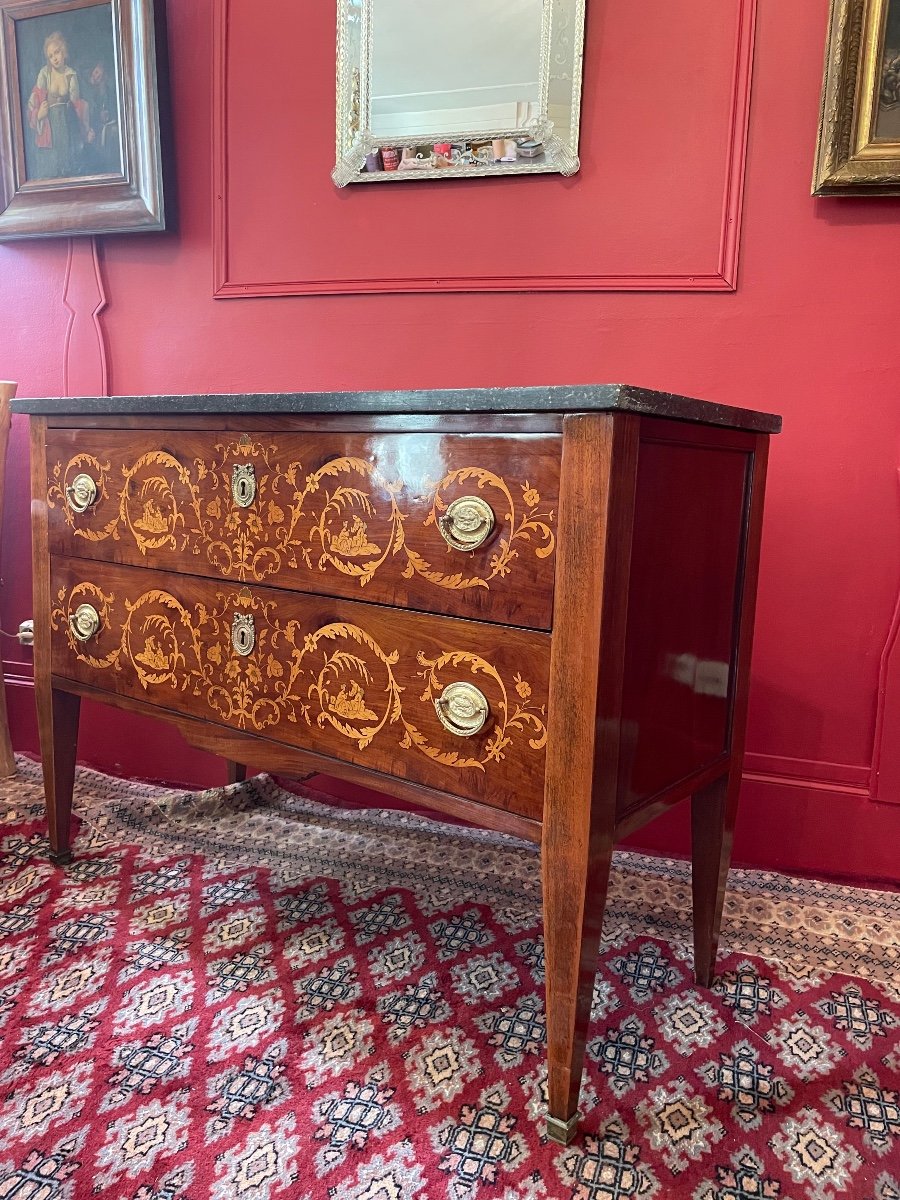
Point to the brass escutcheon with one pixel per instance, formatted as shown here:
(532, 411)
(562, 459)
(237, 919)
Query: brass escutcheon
(243, 484)
(467, 523)
(84, 622)
(243, 633)
(81, 493)
(462, 709)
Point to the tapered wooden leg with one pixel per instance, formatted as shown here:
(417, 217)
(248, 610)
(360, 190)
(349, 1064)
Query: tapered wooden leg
(237, 772)
(58, 728)
(584, 723)
(713, 812)
(574, 902)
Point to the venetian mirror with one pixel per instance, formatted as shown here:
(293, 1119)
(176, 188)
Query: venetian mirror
(429, 89)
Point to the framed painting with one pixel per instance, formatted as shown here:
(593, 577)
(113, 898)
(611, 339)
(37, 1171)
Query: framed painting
(858, 149)
(80, 148)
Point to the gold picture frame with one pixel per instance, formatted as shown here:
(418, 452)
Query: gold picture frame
(858, 146)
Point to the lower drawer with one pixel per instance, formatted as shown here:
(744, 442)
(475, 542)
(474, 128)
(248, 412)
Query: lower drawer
(452, 704)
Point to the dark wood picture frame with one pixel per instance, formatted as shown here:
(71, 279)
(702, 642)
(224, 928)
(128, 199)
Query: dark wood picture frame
(79, 191)
(858, 145)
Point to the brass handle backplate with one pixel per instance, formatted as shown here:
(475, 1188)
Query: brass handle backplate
(81, 493)
(467, 523)
(243, 484)
(84, 622)
(462, 709)
(243, 634)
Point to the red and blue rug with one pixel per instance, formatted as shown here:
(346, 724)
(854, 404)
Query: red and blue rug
(247, 994)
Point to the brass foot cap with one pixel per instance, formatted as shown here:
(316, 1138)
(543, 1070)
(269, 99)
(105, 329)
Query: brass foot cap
(562, 1131)
(60, 858)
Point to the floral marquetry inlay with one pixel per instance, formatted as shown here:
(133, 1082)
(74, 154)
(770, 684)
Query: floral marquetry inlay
(345, 516)
(333, 679)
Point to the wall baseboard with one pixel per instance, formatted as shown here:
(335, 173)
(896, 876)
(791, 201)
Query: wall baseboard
(18, 674)
(800, 827)
(804, 772)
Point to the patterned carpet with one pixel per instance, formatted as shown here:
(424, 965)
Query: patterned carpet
(248, 994)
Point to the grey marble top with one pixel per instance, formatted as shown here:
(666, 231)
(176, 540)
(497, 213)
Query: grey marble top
(594, 398)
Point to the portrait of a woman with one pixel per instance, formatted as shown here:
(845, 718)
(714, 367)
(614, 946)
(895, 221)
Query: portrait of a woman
(57, 114)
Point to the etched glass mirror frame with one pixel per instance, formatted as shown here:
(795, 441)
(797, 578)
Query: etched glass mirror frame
(550, 136)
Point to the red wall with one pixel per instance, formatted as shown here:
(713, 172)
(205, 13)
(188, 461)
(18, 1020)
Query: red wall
(810, 332)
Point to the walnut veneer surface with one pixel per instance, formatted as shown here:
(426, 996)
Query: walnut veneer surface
(529, 607)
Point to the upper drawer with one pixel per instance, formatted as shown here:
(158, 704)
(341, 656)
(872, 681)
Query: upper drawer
(458, 524)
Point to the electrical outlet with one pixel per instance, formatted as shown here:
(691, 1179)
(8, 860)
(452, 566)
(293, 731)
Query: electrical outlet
(26, 633)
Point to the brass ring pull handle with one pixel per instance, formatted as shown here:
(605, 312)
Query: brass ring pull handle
(243, 484)
(84, 622)
(462, 709)
(467, 523)
(81, 493)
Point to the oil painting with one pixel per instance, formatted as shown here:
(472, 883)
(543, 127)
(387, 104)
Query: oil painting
(80, 143)
(68, 94)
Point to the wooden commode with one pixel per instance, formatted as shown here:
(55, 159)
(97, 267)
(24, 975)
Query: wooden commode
(528, 607)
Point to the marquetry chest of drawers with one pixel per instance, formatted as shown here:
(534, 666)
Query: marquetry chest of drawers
(529, 607)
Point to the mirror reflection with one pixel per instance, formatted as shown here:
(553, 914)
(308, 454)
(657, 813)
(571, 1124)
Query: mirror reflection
(440, 66)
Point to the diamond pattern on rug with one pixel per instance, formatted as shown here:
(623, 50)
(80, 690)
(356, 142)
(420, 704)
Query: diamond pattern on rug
(627, 1056)
(251, 994)
(747, 1084)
